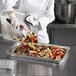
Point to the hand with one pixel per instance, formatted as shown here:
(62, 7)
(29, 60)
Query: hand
(14, 21)
(34, 22)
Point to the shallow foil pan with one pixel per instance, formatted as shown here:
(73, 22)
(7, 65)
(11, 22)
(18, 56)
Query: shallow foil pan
(8, 67)
(12, 49)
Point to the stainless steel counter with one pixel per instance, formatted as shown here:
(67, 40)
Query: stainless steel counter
(62, 34)
(33, 68)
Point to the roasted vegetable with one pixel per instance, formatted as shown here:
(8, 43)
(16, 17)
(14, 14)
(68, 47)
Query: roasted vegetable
(30, 38)
(31, 49)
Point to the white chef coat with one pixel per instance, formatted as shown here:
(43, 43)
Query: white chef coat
(42, 10)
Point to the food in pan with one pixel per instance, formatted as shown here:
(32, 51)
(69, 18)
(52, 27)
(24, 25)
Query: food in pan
(42, 51)
(30, 38)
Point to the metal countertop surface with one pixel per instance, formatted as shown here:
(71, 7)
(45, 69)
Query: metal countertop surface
(61, 26)
(34, 68)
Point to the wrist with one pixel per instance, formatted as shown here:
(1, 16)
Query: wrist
(10, 12)
(38, 22)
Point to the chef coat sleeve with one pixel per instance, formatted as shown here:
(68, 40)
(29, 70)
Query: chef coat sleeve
(6, 5)
(48, 16)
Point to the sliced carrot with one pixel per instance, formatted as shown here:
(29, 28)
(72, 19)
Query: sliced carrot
(21, 26)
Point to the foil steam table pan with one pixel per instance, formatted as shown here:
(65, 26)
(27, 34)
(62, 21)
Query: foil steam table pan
(12, 49)
(7, 67)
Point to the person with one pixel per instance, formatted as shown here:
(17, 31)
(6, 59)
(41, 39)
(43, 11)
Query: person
(38, 12)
